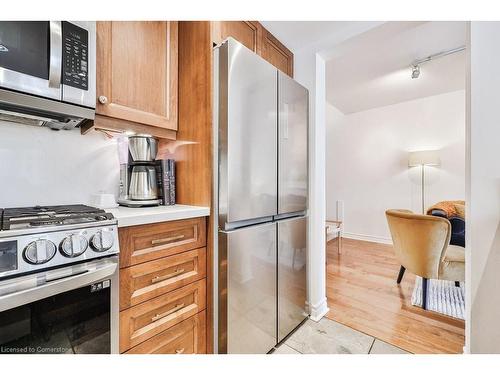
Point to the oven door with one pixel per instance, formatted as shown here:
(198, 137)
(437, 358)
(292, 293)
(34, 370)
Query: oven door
(31, 57)
(68, 310)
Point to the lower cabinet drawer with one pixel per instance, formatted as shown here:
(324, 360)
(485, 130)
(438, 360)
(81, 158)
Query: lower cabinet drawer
(187, 337)
(143, 321)
(142, 243)
(144, 281)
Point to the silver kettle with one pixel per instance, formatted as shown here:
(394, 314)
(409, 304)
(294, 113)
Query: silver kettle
(143, 183)
(142, 148)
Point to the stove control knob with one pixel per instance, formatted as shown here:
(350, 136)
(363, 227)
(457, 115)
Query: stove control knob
(73, 245)
(39, 251)
(102, 241)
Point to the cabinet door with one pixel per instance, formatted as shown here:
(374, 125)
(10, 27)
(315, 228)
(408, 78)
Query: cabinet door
(245, 32)
(137, 72)
(276, 53)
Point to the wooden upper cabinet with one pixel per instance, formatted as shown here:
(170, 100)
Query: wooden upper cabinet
(276, 53)
(255, 37)
(245, 32)
(137, 72)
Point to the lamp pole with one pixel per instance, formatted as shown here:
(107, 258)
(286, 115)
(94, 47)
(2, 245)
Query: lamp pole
(422, 159)
(422, 179)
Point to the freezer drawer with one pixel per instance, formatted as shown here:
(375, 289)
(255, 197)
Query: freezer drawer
(247, 290)
(292, 284)
(292, 146)
(247, 113)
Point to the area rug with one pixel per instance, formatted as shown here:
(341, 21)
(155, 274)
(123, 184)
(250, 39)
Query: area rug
(442, 297)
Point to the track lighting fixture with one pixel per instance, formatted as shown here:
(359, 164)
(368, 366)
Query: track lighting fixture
(415, 71)
(415, 65)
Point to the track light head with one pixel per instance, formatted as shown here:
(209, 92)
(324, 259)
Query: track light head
(415, 71)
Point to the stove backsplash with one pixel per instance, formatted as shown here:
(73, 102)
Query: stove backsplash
(39, 166)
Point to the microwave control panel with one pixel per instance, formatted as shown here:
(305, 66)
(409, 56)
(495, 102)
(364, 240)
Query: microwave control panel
(75, 56)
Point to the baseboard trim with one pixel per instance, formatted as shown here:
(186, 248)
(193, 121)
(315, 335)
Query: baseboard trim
(318, 310)
(367, 237)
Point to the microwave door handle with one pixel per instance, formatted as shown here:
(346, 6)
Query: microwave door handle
(56, 286)
(55, 62)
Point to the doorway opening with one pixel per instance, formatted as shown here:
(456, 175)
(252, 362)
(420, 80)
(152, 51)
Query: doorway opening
(395, 118)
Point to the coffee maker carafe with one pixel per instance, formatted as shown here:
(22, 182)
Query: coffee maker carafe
(138, 171)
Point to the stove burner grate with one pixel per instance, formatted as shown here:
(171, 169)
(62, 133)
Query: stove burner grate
(38, 216)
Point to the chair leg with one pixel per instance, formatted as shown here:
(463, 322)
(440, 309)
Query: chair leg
(457, 284)
(401, 273)
(424, 293)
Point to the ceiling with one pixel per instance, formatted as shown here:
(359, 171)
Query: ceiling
(315, 35)
(373, 69)
(297, 34)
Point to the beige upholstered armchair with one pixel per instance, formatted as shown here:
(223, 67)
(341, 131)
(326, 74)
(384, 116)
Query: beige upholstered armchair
(421, 243)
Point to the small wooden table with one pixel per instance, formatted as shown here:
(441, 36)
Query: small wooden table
(335, 227)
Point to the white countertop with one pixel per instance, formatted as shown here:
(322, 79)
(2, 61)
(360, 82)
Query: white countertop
(127, 216)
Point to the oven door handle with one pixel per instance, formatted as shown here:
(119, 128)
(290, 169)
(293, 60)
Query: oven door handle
(59, 285)
(55, 62)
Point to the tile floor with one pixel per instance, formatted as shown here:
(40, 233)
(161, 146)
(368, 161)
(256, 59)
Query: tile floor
(329, 337)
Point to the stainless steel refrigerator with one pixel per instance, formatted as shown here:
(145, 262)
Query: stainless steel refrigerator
(261, 201)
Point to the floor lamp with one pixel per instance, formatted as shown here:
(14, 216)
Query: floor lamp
(422, 159)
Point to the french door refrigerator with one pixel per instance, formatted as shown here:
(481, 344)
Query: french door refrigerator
(261, 201)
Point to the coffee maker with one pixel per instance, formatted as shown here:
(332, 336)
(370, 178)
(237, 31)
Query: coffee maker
(139, 185)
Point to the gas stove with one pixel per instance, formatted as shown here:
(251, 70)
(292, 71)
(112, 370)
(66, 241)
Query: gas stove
(37, 238)
(48, 216)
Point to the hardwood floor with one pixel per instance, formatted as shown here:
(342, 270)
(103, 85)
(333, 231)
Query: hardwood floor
(362, 294)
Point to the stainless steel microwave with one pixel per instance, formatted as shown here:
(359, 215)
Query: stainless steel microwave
(47, 71)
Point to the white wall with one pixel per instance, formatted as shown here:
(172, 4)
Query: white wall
(309, 70)
(47, 167)
(483, 190)
(367, 160)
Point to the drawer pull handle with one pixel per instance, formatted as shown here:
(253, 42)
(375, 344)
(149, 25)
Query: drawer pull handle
(179, 351)
(157, 279)
(166, 313)
(168, 239)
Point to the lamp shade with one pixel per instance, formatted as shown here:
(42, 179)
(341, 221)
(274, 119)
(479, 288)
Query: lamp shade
(428, 157)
